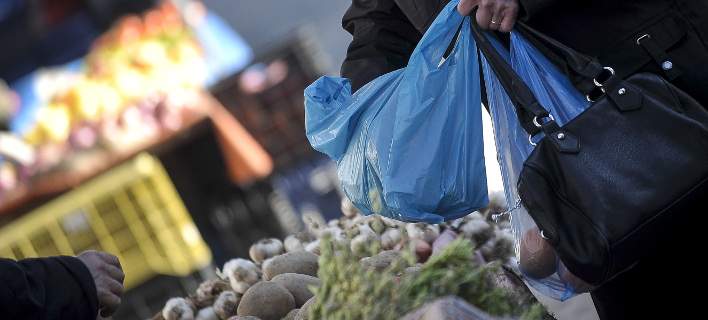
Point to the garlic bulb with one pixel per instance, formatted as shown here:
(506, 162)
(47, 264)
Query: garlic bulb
(314, 223)
(292, 244)
(362, 241)
(376, 224)
(474, 215)
(390, 238)
(365, 229)
(392, 223)
(334, 223)
(207, 314)
(226, 304)
(178, 309)
(457, 223)
(423, 231)
(497, 201)
(358, 220)
(313, 247)
(208, 291)
(241, 274)
(500, 247)
(335, 233)
(348, 208)
(264, 249)
(477, 230)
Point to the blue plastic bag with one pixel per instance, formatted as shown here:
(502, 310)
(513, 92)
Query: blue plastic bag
(408, 145)
(564, 102)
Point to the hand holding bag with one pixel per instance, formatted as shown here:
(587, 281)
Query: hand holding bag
(605, 187)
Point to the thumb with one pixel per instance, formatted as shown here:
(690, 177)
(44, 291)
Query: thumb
(464, 7)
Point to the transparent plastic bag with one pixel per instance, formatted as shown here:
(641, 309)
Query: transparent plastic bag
(408, 145)
(537, 259)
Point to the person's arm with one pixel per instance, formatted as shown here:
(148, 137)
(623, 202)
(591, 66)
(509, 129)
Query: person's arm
(47, 288)
(61, 287)
(383, 40)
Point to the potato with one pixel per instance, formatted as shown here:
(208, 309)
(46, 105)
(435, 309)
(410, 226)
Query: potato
(266, 300)
(423, 250)
(298, 285)
(304, 312)
(445, 238)
(301, 262)
(292, 314)
(537, 257)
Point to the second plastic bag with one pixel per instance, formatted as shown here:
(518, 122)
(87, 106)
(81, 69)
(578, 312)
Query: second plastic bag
(538, 261)
(408, 145)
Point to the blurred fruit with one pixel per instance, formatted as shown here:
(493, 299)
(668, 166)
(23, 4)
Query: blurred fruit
(55, 121)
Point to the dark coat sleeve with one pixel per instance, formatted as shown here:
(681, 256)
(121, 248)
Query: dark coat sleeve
(383, 40)
(385, 32)
(47, 289)
(530, 8)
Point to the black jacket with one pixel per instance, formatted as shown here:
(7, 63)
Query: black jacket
(47, 289)
(386, 31)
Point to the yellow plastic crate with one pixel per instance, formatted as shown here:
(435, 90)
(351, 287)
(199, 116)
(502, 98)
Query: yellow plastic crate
(132, 211)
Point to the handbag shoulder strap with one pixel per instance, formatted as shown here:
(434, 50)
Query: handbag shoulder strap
(528, 109)
(580, 67)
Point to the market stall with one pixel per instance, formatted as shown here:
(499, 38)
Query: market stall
(103, 143)
(141, 86)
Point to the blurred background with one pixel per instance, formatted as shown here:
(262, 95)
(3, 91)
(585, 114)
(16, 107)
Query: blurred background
(170, 133)
(167, 132)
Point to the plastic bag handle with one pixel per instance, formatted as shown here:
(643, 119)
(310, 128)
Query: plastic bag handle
(444, 29)
(528, 109)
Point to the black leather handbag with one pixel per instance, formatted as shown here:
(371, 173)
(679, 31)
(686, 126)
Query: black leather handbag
(608, 185)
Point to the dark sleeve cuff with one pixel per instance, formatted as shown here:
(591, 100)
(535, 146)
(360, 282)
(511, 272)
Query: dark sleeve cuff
(47, 288)
(84, 280)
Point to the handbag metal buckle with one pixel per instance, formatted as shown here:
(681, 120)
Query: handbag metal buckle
(598, 94)
(642, 37)
(531, 141)
(538, 124)
(605, 76)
